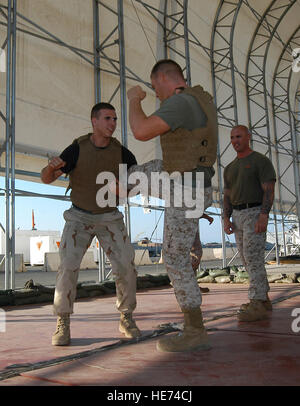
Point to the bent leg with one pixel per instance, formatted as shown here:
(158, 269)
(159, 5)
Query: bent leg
(74, 243)
(179, 235)
(112, 236)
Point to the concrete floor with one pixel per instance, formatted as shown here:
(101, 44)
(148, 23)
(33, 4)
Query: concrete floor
(265, 353)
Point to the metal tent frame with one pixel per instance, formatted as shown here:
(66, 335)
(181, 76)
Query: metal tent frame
(173, 20)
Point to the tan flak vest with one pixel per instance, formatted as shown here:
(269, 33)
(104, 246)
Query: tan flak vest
(184, 150)
(92, 161)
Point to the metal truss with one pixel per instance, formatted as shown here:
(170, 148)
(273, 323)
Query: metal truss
(257, 92)
(224, 72)
(285, 136)
(258, 96)
(296, 112)
(172, 18)
(9, 15)
(223, 83)
(108, 57)
(222, 62)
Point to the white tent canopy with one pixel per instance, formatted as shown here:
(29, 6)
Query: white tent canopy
(70, 54)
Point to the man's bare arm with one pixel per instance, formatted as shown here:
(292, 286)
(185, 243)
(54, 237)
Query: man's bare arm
(144, 128)
(227, 211)
(268, 197)
(267, 202)
(52, 171)
(208, 218)
(227, 204)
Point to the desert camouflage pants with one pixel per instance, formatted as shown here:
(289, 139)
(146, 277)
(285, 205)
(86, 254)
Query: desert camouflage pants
(179, 236)
(79, 231)
(251, 246)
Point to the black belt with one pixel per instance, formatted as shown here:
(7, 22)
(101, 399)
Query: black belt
(245, 206)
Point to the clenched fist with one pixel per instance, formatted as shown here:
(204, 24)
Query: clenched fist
(136, 92)
(56, 163)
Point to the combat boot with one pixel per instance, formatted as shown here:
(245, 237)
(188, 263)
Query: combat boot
(267, 304)
(192, 338)
(253, 311)
(128, 327)
(62, 333)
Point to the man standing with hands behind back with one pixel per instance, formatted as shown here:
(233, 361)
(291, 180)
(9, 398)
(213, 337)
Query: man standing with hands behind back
(249, 182)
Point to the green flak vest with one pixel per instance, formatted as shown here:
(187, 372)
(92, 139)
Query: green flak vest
(91, 161)
(184, 150)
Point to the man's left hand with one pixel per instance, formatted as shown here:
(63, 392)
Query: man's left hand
(136, 92)
(262, 223)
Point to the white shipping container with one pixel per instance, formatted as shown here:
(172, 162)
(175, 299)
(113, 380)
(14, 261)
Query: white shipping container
(22, 241)
(40, 245)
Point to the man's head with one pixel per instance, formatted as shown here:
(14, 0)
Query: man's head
(240, 139)
(166, 76)
(104, 119)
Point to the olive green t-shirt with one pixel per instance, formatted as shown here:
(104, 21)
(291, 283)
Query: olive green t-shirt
(244, 176)
(183, 111)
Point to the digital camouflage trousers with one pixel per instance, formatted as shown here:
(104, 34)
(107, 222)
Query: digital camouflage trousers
(251, 246)
(178, 238)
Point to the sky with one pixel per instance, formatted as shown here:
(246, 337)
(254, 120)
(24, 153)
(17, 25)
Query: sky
(48, 214)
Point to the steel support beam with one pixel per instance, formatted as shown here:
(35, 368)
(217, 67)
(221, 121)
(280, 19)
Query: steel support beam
(223, 83)
(9, 118)
(258, 96)
(283, 122)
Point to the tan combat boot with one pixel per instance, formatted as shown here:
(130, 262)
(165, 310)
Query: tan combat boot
(253, 311)
(128, 327)
(192, 338)
(62, 333)
(267, 304)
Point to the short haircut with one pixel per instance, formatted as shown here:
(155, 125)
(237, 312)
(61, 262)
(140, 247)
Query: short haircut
(100, 106)
(242, 126)
(169, 67)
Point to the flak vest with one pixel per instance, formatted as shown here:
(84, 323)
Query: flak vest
(184, 150)
(91, 161)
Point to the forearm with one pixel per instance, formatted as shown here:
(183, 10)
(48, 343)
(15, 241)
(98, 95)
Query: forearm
(268, 197)
(227, 212)
(48, 175)
(227, 206)
(137, 117)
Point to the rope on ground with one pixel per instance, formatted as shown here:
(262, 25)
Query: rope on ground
(17, 369)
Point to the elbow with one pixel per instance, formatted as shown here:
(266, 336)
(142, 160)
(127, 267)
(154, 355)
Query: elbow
(142, 135)
(139, 135)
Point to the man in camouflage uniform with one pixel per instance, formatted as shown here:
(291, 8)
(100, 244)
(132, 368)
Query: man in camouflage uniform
(187, 126)
(83, 160)
(248, 196)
